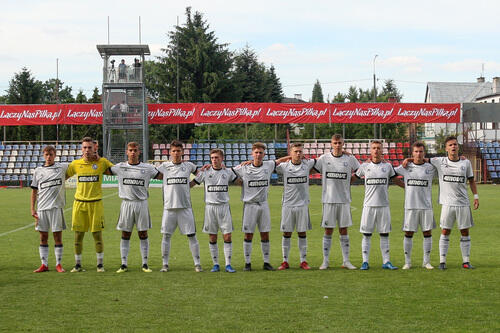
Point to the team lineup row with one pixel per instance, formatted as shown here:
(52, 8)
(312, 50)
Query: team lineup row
(338, 169)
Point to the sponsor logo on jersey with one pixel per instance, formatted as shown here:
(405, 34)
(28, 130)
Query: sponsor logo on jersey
(51, 183)
(177, 181)
(94, 166)
(217, 188)
(296, 180)
(88, 179)
(336, 175)
(133, 182)
(417, 182)
(429, 171)
(376, 181)
(453, 179)
(258, 183)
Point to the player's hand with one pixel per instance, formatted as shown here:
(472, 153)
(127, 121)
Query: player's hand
(462, 157)
(346, 152)
(205, 167)
(476, 203)
(246, 163)
(405, 163)
(34, 214)
(223, 166)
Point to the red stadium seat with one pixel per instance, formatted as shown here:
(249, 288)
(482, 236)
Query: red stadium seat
(392, 151)
(399, 145)
(386, 156)
(399, 151)
(395, 163)
(357, 156)
(401, 157)
(406, 145)
(393, 157)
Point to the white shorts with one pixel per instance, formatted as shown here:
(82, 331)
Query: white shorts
(134, 212)
(182, 217)
(461, 214)
(217, 217)
(336, 214)
(295, 218)
(372, 217)
(52, 219)
(415, 217)
(256, 214)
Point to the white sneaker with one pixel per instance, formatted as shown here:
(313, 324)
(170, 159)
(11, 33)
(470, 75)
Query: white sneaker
(407, 266)
(348, 265)
(324, 266)
(198, 269)
(428, 266)
(164, 269)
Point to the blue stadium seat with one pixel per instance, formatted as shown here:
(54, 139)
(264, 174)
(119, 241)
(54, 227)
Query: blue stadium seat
(3, 165)
(228, 145)
(1, 178)
(193, 151)
(70, 158)
(491, 150)
(496, 162)
(22, 147)
(491, 168)
(20, 159)
(26, 165)
(497, 150)
(192, 157)
(2, 147)
(270, 145)
(18, 165)
(34, 159)
(497, 168)
(29, 152)
(235, 146)
(213, 145)
(59, 147)
(228, 151)
(494, 175)
(206, 151)
(220, 145)
(15, 147)
(199, 164)
(27, 159)
(242, 146)
(229, 158)
(8, 147)
(493, 156)
(2, 171)
(489, 162)
(195, 145)
(6, 177)
(29, 147)
(22, 177)
(486, 156)
(36, 152)
(236, 151)
(199, 157)
(6, 153)
(32, 165)
(21, 153)
(229, 164)
(14, 178)
(66, 147)
(5, 159)
(274, 176)
(64, 158)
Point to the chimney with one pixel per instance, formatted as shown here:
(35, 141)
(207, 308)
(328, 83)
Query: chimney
(496, 85)
(480, 79)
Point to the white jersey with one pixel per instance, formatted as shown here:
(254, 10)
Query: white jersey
(176, 190)
(296, 182)
(377, 177)
(216, 184)
(453, 180)
(133, 179)
(336, 177)
(49, 181)
(418, 185)
(256, 181)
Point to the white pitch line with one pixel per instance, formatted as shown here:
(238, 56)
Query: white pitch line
(32, 223)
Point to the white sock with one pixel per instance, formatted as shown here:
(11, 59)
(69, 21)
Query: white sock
(228, 252)
(465, 247)
(165, 248)
(100, 257)
(407, 246)
(427, 246)
(124, 249)
(327, 244)
(145, 250)
(214, 252)
(384, 248)
(285, 247)
(266, 248)
(44, 254)
(78, 259)
(444, 244)
(365, 247)
(58, 251)
(194, 246)
(302, 248)
(345, 247)
(247, 251)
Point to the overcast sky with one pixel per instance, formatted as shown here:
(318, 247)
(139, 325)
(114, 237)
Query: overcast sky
(333, 41)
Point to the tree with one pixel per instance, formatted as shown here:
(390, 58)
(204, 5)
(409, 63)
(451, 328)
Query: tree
(276, 90)
(317, 93)
(96, 98)
(24, 89)
(80, 97)
(250, 77)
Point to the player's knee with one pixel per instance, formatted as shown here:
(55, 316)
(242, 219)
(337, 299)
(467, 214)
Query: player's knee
(302, 235)
(409, 235)
(143, 234)
(287, 234)
(367, 235)
(191, 235)
(384, 235)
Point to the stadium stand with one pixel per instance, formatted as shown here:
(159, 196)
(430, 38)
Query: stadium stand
(490, 157)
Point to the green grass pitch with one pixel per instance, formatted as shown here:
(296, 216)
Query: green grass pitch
(290, 301)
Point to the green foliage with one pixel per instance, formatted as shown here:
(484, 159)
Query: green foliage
(80, 97)
(96, 98)
(25, 89)
(317, 93)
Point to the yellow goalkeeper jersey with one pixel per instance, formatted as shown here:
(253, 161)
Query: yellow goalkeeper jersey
(89, 176)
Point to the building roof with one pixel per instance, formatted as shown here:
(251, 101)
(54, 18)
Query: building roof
(292, 100)
(123, 49)
(456, 92)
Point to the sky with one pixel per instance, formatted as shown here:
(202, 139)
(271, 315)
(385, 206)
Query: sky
(334, 42)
